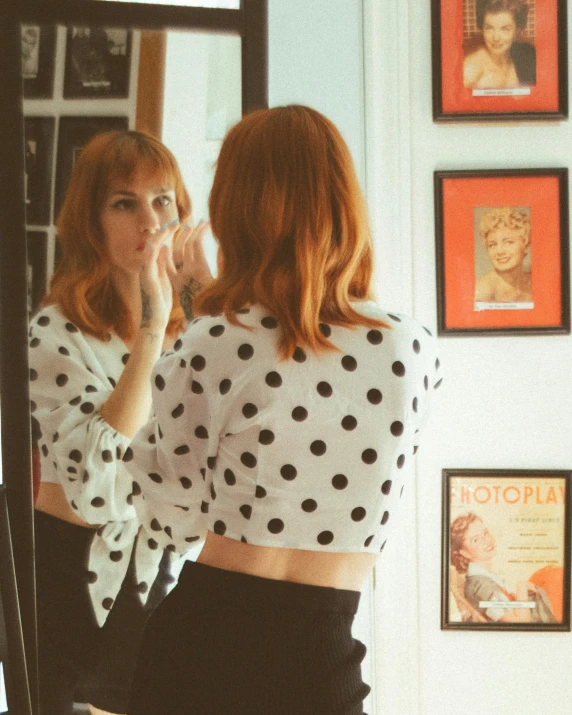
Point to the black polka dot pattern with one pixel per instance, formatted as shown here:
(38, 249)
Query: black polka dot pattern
(273, 379)
(245, 351)
(299, 413)
(299, 355)
(324, 389)
(310, 451)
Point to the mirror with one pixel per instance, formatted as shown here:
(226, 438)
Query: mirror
(95, 79)
(35, 50)
(183, 87)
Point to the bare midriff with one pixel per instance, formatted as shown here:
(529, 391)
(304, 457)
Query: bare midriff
(52, 500)
(346, 571)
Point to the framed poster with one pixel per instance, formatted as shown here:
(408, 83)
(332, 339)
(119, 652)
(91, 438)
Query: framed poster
(499, 60)
(38, 56)
(37, 249)
(73, 135)
(506, 550)
(12, 657)
(39, 136)
(98, 62)
(502, 251)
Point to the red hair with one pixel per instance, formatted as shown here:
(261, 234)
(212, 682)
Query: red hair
(289, 215)
(459, 530)
(81, 285)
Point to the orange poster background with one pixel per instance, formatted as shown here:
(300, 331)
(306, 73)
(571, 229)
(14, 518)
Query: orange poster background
(460, 197)
(543, 97)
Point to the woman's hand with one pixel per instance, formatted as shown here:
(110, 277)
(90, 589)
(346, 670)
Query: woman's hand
(156, 290)
(187, 267)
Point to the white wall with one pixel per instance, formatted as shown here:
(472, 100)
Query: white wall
(505, 402)
(316, 58)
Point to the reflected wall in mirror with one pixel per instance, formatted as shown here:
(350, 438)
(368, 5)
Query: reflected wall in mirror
(185, 88)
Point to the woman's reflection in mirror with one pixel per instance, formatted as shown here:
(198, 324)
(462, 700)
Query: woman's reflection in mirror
(110, 312)
(285, 424)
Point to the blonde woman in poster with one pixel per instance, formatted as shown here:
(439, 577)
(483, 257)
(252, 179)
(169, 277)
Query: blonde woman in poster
(473, 550)
(505, 234)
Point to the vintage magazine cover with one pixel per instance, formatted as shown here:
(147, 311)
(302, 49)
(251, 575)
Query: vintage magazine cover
(506, 549)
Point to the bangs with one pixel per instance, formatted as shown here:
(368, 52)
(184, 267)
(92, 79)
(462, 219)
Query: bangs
(131, 158)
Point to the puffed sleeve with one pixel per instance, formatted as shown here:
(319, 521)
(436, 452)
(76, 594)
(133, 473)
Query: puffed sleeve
(78, 448)
(428, 379)
(171, 457)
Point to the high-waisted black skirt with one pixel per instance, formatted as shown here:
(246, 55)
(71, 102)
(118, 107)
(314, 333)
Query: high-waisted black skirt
(227, 643)
(78, 660)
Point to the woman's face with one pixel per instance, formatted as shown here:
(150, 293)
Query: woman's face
(132, 212)
(499, 32)
(506, 248)
(478, 544)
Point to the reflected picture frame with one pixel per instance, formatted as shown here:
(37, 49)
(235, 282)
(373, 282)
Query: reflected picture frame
(98, 62)
(502, 252)
(37, 249)
(39, 137)
(38, 59)
(73, 134)
(505, 549)
(534, 86)
(11, 636)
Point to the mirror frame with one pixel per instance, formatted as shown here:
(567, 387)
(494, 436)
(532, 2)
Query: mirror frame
(250, 22)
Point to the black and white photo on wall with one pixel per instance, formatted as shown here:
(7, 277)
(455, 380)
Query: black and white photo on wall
(39, 133)
(73, 135)
(97, 62)
(37, 249)
(38, 55)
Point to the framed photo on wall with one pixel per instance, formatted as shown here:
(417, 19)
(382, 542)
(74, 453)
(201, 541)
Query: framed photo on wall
(37, 249)
(39, 137)
(502, 252)
(73, 135)
(506, 550)
(98, 62)
(499, 60)
(38, 56)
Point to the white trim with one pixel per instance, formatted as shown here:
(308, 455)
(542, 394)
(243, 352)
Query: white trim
(389, 192)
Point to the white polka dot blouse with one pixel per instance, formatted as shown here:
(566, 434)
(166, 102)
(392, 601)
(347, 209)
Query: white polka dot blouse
(309, 453)
(71, 376)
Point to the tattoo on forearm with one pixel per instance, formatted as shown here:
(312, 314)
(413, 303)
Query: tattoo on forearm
(146, 312)
(188, 292)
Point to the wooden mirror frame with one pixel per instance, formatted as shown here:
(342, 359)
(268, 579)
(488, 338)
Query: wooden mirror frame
(250, 22)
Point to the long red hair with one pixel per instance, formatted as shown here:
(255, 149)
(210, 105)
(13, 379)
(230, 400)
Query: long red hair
(81, 285)
(290, 218)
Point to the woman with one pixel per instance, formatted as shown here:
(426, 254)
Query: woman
(285, 425)
(472, 553)
(505, 233)
(92, 348)
(503, 62)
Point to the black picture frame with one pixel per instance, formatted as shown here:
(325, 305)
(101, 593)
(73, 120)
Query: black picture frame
(98, 62)
(11, 636)
(37, 248)
(38, 59)
(73, 135)
(505, 542)
(541, 98)
(462, 197)
(39, 138)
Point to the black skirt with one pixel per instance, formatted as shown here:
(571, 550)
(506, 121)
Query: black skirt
(227, 643)
(79, 661)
